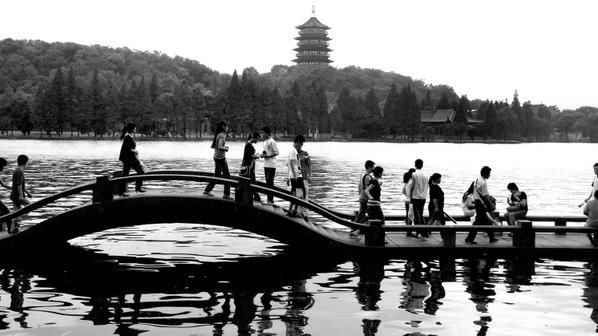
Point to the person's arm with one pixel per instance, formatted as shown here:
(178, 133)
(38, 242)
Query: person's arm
(523, 203)
(274, 149)
(586, 209)
(409, 190)
(293, 167)
(436, 206)
(2, 183)
(367, 191)
(221, 144)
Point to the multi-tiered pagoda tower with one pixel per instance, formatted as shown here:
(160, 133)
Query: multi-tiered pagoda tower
(312, 47)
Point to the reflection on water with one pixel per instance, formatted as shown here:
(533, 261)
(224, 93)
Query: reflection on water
(281, 295)
(183, 279)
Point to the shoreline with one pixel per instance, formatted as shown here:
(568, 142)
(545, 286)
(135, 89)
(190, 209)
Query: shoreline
(282, 138)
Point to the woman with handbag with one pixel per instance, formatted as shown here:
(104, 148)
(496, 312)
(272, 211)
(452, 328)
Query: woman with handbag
(248, 162)
(484, 203)
(130, 159)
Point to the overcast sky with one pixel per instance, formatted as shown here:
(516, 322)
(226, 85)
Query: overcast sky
(547, 50)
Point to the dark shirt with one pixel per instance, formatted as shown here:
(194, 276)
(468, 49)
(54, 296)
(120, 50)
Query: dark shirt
(18, 179)
(437, 193)
(126, 153)
(248, 154)
(522, 196)
(376, 190)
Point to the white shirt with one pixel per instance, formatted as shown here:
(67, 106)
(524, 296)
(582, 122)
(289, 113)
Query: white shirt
(480, 189)
(271, 149)
(594, 186)
(293, 156)
(418, 186)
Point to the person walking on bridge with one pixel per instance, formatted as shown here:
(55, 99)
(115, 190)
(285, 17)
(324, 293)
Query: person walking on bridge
(130, 158)
(483, 204)
(269, 154)
(221, 166)
(373, 193)
(19, 193)
(417, 194)
(364, 181)
(294, 178)
(248, 162)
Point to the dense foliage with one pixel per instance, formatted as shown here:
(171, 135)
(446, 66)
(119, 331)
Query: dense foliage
(59, 88)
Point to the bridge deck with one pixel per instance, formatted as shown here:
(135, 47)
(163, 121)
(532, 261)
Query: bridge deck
(396, 242)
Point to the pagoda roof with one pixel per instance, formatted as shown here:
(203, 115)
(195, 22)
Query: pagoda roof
(313, 22)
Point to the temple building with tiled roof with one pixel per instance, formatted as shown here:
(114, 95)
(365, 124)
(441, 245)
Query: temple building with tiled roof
(312, 47)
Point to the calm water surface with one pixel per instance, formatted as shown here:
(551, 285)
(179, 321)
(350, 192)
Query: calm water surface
(184, 279)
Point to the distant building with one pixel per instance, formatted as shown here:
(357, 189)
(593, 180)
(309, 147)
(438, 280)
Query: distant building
(312, 47)
(439, 118)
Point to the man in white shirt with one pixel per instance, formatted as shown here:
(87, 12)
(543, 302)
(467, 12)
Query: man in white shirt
(480, 191)
(417, 193)
(294, 176)
(269, 154)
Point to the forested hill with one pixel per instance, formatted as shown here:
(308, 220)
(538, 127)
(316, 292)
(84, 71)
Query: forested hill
(61, 87)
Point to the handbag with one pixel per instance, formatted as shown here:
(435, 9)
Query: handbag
(411, 214)
(489, 203)
(244, 171)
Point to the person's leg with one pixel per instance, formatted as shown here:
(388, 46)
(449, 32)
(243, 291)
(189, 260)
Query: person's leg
(256, 195)
(217, 173)
(16, 205)
(301, 193)
(225, 174)
(418, 207)
(4, 210)
(126, 170)
(269, 174)
(139, 170)
(480, 219)
(359, 216)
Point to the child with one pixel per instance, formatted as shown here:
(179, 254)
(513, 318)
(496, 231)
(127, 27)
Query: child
(19, 190)
(3, 208)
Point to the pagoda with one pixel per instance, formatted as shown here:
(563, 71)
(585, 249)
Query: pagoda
(312, 47)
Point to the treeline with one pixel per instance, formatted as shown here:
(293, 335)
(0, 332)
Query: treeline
(60, 88)
(66, 87)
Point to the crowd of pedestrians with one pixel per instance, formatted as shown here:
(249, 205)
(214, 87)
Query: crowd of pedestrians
(418, 188)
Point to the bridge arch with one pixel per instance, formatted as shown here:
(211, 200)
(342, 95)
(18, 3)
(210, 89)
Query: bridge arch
(153, 209)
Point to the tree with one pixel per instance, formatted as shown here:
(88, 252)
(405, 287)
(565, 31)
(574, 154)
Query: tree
(97, 108)
(72, 99)
(444, 102)
(53, 112)
(348, 108)
(391, 110)
(372, 106)
(527, 115)
(462, 109)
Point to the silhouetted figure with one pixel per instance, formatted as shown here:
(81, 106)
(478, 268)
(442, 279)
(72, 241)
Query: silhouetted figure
(220, 164)
(269, 155)
(130, 158)
(248, 161)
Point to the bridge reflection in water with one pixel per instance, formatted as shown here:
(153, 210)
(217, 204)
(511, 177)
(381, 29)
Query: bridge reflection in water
(256, 295)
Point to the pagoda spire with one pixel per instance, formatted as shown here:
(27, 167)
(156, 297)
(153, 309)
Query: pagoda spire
(313, 10)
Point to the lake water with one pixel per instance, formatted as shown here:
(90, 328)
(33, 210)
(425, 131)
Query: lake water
(188, 279)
